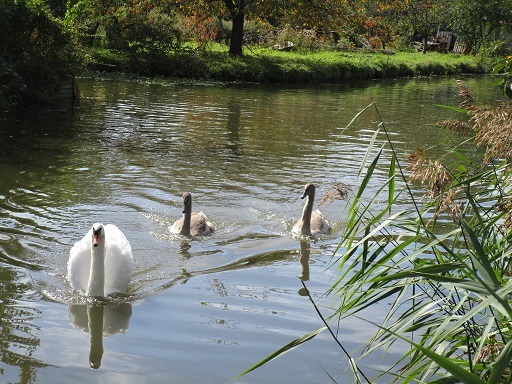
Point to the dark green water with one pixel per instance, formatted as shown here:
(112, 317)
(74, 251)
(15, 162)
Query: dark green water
(199, 311)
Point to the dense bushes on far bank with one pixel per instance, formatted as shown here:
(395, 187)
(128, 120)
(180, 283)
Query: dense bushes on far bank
(36, 54)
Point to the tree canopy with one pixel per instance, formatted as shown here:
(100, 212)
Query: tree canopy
(374, 23)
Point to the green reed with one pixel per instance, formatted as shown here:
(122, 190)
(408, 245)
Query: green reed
(442, 265)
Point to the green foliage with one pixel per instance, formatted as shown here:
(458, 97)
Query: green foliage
(144, 33)
(83, 19)
(149, 41)
(478, 21)
(503, 69)
(36, 57)
(287, 348)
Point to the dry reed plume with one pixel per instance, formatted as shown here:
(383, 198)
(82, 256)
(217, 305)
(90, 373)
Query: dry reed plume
(492, 125)
(427, 171)
(492, 130)
(339, 191)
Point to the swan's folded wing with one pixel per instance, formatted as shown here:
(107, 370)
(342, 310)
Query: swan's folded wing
(318, 223)
(200, 225)
(79, 263)
(176, 227)
(118, 260)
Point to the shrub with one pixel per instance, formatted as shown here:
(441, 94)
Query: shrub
(36, 58)
(149, 42)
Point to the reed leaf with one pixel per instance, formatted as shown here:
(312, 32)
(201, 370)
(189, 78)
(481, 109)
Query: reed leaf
(367, 154)
(354, 216)
(281, 351)
(370, 297)
(353, 368)
(391, 182)
(349, 124)
(480, 259)
(458, 372)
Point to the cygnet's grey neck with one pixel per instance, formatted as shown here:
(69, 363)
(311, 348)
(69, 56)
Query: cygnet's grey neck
(187, 216)
(306, 215)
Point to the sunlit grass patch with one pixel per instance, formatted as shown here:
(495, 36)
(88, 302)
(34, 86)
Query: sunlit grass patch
(266, 65)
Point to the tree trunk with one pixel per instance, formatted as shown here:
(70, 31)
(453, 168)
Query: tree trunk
(425, 43)
(237, 34)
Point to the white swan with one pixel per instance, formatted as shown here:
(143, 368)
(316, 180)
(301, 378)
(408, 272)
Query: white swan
(192, 223)
(311, 222)
(102, 262)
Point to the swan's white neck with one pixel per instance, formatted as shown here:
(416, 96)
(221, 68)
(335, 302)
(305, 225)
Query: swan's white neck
(96, 285)
(306, 215)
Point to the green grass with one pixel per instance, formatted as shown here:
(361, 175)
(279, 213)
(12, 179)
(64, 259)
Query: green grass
(271, 66)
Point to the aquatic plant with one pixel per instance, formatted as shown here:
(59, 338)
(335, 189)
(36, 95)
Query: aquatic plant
(503, 69)
(442, 265)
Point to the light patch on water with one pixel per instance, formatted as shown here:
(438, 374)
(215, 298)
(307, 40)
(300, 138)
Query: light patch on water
(5, 237)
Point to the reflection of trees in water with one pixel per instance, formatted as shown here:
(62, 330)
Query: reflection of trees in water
(17, 332)
(233, 126)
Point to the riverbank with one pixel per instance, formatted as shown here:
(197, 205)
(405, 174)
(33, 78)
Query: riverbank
(270, 66)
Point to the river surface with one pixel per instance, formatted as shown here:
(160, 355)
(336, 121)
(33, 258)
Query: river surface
(197, 310)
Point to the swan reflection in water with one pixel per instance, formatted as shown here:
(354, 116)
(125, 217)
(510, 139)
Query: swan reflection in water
(100, 320)
(305, 250)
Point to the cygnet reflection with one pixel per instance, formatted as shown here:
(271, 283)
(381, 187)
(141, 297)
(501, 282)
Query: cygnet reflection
(305, 250)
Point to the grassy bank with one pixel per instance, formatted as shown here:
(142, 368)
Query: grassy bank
(270, 66)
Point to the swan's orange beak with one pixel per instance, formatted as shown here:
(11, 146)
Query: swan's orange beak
(95, 240)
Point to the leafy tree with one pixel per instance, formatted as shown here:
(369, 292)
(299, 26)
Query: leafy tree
(36, 54)
(233, 10)
(312, 14)
(378, 18)
(477, 21)
(418, 17)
